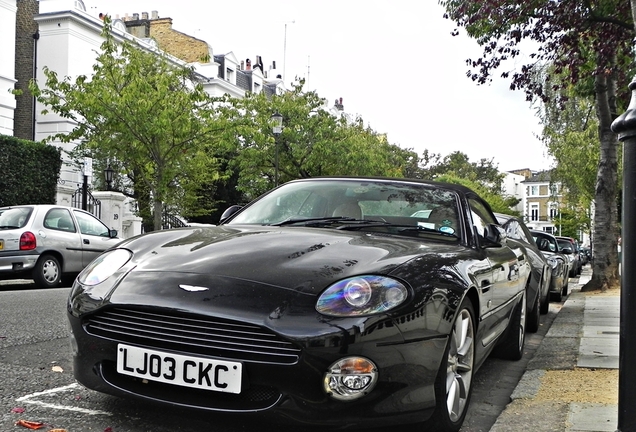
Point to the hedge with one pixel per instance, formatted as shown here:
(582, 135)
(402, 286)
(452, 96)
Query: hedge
(29, 171)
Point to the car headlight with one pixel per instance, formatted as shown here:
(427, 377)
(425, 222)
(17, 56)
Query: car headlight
(104, 266)
(553, 262)
(362, 295)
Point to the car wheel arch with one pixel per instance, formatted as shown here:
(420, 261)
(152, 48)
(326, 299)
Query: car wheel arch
(473, 296)
(57, 255)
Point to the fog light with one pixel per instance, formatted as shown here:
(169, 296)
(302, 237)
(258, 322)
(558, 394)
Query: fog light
(350, 378)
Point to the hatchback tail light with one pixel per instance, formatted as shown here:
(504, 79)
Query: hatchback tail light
(28, 241)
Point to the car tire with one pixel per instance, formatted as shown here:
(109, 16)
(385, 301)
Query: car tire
(564, 290)
(453, 385)
(47, 272)
(511, 346)
(545, 305)
(534, 316)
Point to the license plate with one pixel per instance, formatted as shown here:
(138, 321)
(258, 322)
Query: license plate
(181, 370)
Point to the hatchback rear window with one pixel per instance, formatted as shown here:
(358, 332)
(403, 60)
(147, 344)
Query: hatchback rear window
(14, 217)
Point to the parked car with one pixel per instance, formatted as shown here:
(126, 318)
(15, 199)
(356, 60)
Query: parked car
(322, 302)
(575, 260)
(538, 299)
(586, 255)
(559, 261)
(46, 242)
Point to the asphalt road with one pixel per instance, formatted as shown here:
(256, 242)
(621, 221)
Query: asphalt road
(36, 376)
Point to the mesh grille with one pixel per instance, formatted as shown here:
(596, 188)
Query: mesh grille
(193, 334)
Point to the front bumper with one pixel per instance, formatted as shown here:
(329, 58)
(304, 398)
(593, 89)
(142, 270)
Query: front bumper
(290, 391)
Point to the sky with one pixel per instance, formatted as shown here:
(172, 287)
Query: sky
(394, 63)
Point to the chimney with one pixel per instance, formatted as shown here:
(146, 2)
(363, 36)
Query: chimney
(155, 15)
(338, 105)
(135, 17)
(248, 64)
(144, 15)
(242, 65)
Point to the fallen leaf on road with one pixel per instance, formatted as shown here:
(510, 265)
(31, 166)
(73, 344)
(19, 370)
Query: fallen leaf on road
(18, 410)
(108, 429)
(30, 424)
(57, 369)
(58, 430)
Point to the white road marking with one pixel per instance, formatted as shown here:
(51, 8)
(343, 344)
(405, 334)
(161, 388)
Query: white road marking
(28, 399)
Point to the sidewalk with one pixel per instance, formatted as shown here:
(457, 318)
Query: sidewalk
(571, 384)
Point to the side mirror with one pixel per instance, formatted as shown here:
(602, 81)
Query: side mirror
(494, 235)
(566, 250)
(230, 211)
(112, 233)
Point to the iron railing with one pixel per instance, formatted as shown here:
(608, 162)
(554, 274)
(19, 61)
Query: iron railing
(83, 199)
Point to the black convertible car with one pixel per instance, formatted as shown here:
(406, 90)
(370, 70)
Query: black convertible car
(327, 301)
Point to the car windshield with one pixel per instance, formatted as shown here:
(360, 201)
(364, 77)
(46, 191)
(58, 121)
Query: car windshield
(357, 204)
(14, 217)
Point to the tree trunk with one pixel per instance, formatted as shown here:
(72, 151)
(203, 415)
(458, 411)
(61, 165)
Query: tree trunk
(605, 235)
(157, 213)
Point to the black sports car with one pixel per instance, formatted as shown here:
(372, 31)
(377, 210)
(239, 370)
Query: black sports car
(538, 299)
(327, 301)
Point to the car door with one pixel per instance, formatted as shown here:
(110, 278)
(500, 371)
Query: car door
(95, 236)
(60, 233)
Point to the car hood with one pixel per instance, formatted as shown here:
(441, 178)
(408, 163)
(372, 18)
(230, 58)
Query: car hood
(305, 260)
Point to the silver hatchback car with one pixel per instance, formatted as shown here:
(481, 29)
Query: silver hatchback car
(45, 242)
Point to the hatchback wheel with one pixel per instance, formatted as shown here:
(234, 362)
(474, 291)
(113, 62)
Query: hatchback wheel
(47, 272)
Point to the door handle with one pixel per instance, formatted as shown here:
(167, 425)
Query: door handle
(86, 241)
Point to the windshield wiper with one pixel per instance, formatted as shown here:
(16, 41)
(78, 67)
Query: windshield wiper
(428, 230)
(314, 221)
(401, 227)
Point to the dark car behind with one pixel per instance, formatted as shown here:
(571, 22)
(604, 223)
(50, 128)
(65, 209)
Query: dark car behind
(539, 287)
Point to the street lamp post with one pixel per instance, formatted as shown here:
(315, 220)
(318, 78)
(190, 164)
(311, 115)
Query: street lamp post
(625, 127)
(108, 176)
(277, 128)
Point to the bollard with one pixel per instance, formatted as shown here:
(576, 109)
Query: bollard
(625, 127)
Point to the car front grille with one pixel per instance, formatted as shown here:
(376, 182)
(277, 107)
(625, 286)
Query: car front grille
(193, 334)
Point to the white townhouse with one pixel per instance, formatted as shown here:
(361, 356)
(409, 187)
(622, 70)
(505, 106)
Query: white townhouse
(65, 37)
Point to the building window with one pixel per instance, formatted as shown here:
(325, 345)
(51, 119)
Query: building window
(554, 211)
(549, 229)
(257, 88)
(534, 191)
(229, 75)
(534, 212)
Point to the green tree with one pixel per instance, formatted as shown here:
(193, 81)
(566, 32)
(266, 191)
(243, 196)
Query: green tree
(457, 164)
(570, 133)
(578, 39)
(498, 203)
(147, 115)
(313, 143)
